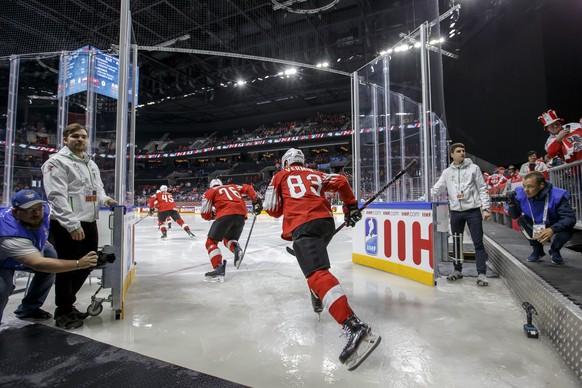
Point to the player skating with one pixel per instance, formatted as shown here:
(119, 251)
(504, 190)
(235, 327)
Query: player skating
(229, 213)
(298, 194)
(166, 208)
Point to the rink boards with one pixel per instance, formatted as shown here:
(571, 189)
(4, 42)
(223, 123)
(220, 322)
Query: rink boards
(404, 238)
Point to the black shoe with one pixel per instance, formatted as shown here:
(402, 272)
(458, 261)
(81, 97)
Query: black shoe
(355, 330)
(35, 315)
(218, 273)
(556, 257)
(316, 302)
(68, 321)
(237, 255)
(79, 314)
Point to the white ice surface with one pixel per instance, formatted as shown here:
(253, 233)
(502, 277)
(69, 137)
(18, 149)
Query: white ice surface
(258, 329)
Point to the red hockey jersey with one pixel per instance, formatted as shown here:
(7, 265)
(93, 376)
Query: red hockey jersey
(163, 201)
(298, 194)
(227, 200)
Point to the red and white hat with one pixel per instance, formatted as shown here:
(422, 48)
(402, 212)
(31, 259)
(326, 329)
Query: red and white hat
(549, 117)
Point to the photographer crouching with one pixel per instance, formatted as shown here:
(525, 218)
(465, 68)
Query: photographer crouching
(542, 212)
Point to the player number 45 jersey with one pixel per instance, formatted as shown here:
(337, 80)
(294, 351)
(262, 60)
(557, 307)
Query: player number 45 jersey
(163, 201)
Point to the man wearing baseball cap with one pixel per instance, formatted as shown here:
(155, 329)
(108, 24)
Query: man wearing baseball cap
(24, 229)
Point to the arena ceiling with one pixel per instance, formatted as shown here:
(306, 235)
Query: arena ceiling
(193, 89)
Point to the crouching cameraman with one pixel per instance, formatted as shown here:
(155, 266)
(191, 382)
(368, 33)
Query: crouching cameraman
(542, 211)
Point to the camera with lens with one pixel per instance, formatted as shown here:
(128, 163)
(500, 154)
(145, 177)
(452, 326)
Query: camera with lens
(508, 197)
(105, 255)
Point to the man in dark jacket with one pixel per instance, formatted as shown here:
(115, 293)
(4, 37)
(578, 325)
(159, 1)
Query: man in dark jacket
(543, 211)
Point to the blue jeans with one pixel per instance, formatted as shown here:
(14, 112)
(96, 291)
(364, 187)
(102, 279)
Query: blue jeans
(558, 240)
(38, 288)
(6, 287)
(474, 220)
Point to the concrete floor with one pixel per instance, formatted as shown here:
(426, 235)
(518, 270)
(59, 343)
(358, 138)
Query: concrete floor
(258, 329)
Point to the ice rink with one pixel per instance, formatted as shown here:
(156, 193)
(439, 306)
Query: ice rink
(258, 328)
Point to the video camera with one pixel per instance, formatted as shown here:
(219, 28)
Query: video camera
(105, 255)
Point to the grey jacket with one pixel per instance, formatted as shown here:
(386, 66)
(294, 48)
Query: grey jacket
(464, 185)
(74, 188)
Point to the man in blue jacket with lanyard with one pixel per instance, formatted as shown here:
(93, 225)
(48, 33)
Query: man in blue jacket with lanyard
(24, 230)
(543, 211)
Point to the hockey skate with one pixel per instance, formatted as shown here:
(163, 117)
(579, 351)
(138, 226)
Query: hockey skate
(164, 234)
(361, 342)
(237, 255)
(190, 233)
(316, 303)
(216, 276)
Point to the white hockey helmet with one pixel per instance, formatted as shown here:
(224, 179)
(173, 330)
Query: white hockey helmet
(163, 188)
(215, 182)
(293, 155)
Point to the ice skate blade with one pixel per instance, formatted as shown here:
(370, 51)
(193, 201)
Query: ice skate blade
(214, 279)
(367, 346)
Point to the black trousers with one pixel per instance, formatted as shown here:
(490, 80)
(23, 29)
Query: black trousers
(67, 284)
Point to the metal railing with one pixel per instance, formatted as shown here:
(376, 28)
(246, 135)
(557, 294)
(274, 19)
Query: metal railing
(569, 177)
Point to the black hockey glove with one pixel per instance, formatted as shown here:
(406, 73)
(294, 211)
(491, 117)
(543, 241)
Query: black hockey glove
(351, 214)
(257, 206)
(151, 212)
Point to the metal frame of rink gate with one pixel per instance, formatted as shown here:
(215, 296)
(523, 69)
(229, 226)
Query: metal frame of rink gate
(113, 232)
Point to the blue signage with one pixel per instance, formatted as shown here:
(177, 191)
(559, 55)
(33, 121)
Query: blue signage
(76, 72)
(106, 74)
(371, 236)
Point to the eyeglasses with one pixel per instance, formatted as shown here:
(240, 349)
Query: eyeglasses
(31, 210)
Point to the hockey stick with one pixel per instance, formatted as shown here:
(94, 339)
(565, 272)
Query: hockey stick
(147, 215)
(369, 201)
(247, 243)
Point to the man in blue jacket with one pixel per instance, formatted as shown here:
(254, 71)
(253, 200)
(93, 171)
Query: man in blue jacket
(24, 230)
(543, 211)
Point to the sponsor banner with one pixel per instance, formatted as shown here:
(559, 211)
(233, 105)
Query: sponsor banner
(397, 240)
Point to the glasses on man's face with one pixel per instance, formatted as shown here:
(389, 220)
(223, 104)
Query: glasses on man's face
(31, 210)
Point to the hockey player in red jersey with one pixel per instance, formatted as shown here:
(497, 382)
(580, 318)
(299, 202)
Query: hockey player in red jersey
(229, 213)
(298, 194)
(166, 208)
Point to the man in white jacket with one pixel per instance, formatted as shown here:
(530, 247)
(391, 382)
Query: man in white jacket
(74, 190)
(469, 204)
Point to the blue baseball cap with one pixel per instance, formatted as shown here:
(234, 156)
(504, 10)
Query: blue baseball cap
(25, 199)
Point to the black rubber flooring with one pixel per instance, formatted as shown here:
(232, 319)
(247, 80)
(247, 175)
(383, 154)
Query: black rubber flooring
(41, 356)
(565, 278)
